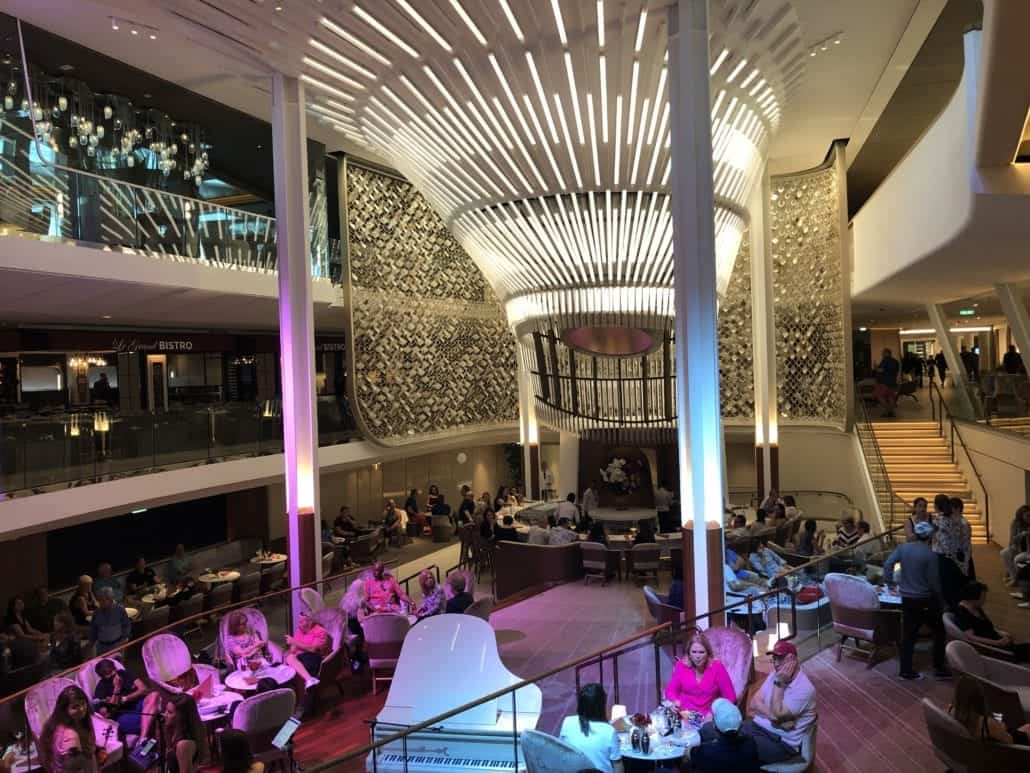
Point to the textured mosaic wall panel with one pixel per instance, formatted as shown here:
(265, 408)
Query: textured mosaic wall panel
(808, 297)
(736, 345)
(432, 348)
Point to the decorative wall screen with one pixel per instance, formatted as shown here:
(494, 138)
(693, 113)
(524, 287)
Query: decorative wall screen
(432, 349)
(736, 344)
(808, 289)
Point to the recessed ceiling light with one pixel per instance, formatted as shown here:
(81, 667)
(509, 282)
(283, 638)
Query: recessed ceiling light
(106, 316)
(135, 32)
(148, 96)
(153, 36)
(66, 67)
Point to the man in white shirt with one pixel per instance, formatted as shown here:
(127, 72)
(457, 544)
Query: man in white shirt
(590, 499)
(546, 484)
(568, 509)
(562, 534)
(663, 497)
(783, 709)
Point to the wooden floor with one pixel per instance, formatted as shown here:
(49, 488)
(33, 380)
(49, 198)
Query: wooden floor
(869, 720)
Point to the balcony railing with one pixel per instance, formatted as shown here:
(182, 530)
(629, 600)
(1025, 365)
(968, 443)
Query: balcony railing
(42, 197)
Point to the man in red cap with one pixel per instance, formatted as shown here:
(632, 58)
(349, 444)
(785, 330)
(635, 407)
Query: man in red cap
(782, 710)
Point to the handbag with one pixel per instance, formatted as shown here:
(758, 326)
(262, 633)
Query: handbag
(809, 593)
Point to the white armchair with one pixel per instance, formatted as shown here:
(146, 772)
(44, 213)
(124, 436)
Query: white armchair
(167, 657)
(39, 705)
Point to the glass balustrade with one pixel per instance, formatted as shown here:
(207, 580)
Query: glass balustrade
(41, 197)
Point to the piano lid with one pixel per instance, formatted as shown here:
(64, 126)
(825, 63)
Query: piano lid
(447, 661)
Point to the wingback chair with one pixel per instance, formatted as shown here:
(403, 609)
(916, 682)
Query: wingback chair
(39, 705)
(256, 620)
(166, 656)
(957, 634)
(260, 717)
(855, 608)
(546, 754)
(734, 650)
(312, 599)
(1006, 685)
(384, 637)
(961, 753)
(660, 609)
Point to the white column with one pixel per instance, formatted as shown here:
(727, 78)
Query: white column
(956, 370)
(529, 433)
(1019, 321)
(296, 329)
(568, 464)
(697, 355)
(763, 326)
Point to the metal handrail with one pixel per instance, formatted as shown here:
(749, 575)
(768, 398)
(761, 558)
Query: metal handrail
(954, 432)
(74, 670)
(114, 181)
(410, 577)
(823, 557)
(892, 494)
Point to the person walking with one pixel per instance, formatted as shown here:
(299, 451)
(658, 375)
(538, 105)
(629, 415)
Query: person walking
(942, 366)
(921, 599)
(1013, 362)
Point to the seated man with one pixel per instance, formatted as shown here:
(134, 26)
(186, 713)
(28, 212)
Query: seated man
(538, 535)
(568, 509)
(344, 525)
(738, 528)
(110, 625)
(461, 598)
(766, 561)
(119, 695)
(383, 593)
(105, 580)
(739, 568)
(562, 534)
(507, 531)
(395, 520)
(140, 578)
(782, 709)
(729, 749)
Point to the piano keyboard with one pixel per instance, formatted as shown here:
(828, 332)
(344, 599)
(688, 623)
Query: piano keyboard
(390, 762)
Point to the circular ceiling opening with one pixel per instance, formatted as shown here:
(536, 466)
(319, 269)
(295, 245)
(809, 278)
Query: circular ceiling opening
(611, 341)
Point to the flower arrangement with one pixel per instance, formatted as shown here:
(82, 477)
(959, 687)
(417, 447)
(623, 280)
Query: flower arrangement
(623, 476)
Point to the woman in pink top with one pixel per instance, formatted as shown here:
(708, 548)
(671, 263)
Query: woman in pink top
(698, 680)
(308, 645)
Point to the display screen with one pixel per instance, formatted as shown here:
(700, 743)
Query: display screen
(285, 733)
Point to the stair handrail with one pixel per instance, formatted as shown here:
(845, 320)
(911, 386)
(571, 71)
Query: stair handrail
(945, 412)
(892, 495)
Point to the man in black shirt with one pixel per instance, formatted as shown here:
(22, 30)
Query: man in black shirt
(1012, 361)
(344, 525)
(887, 382)
(462, 599)
(507, 531)
(466, 509)
(140, 578)
(119, 695)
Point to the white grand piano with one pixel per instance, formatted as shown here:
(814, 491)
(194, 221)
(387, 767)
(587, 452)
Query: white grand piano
(446, 662)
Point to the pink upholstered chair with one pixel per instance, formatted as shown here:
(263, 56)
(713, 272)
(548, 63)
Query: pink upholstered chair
(260, 717)
(166, 657)
(256, 620)
(384, 637)
(1006, 686)
(87, 677)
(312, 599)
(39, 705)
(546, 754)
(732, 647)
(855, 607)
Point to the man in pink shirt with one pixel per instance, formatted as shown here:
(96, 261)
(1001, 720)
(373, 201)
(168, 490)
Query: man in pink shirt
(383, 593)
(697, 680)
(308, 645)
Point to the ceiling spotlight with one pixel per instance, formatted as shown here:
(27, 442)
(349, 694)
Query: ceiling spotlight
(153, 36)
(114, 23)
(135, 32)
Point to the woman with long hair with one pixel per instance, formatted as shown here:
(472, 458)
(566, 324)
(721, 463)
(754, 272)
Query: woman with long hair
(83, 602)
(185, 738)
(970, 711)
(16, 623)
(67, 740)
(589, 731)
(432, 497)
(698, 680)
(243, 643)
(1019, 542)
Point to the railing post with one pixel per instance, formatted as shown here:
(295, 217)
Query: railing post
(515, 730)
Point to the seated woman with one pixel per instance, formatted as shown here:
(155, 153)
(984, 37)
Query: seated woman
(83, 602)
(697, 680)
(970, 710)
(766, 561)
(17, 625)
(847, 532)
(589, 731)
(243, 643)
(433, 599)
(236, 754)
(308, 645)
(119, 695)
(645, 532)
(807, 545)
(67, 649)
(973, 621)
(68, 741)
(184, 735)
(383, 593)
(353, 606)
(486, 525)
(790, 508)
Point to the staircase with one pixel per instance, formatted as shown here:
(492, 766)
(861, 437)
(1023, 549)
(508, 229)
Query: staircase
(918, 464)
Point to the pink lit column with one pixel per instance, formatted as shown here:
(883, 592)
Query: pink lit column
(296, 328)
(699, 435)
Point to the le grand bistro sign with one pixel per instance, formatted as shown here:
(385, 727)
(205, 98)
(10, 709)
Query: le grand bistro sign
(133, 345)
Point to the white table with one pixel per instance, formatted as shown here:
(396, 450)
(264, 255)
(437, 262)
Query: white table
(629, 515)
(671, 747)
(240, 680)
(214, 578)
(217, 706)
(275, 558)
